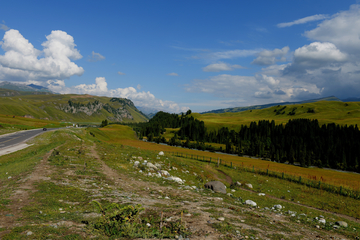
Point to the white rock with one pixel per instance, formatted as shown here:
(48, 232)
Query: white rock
(140, 158)
(165, 173)
(238, 183)
(136, 163)
(322, 220)
(148, 224)
(251, 203)
(278, 207)
(29, 233)
(151, 166)
(175, 179)
(221, 219)
(161, 153)
(249, 185)
(261, 194)
(233, 190)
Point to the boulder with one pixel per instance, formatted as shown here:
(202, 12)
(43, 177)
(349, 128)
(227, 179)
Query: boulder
(136, 163)
(165, 173)
(161, 153)
(251, 203)
(216, 186)
(249, 185)
(175, 179)
(151, 166)
(342, 224)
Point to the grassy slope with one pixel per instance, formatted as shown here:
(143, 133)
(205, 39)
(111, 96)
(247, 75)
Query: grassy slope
(325, 111)
(44, 106)
(124, 135)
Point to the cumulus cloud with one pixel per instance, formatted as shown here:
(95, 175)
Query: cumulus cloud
(317, 53)
(221, 66)
(303, 20)
(121, 73)
(95, 57)
(270, 57)
(22, 62)
(172, 74)
(258, 89)
(342, 29)
(99, 88)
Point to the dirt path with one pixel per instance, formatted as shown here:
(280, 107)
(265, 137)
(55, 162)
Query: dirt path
(20, 198)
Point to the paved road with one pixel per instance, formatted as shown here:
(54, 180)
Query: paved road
(18, 137)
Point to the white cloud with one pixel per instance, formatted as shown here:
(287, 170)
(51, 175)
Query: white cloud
(99, 88)
(232, 54)
(318, 53)
(121, 73)
(22, 62)
(95, 57)
(270, 57)
(342, 29)
(3, 26)
(303, 20)
(172, 74)
(220, 66)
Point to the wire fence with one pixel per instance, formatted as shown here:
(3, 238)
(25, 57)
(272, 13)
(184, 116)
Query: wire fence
(344, 191)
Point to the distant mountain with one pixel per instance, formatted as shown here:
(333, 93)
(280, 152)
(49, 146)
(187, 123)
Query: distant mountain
(149, 112)
(37, 87)
(23, 87)
(353, 99)
(241, 109)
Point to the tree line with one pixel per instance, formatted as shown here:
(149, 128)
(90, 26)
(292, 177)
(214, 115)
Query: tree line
(301, 141)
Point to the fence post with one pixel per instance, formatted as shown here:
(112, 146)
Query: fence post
(231, 164)
(319, 185)
(300, 179)
(218, 161)
(340, 190)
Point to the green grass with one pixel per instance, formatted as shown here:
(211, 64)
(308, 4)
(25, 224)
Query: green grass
(325, 111)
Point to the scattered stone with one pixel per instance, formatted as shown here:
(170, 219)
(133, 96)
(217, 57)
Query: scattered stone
(251, 203)
(187, 215)
(175, 179)
(136, 164)
(317, 226)
(261, 194)
(161, 153)
(249, 185)
(29, 233)
(278, 207)
(342, 224)
(221, 219)
(233, 190)
(151, 166)
(165, 173)
(242, 221)
(148, 224)
(238, 183)
(229, 194)
(216, 186)
(322, 220)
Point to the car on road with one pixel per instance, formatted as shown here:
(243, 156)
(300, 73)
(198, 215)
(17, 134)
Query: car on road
(44, 129)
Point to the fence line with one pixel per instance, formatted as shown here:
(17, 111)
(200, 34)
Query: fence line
(292, 178)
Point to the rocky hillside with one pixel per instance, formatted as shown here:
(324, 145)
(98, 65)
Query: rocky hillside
(80, 108)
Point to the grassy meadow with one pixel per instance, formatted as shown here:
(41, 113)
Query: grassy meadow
(325, 111)
(73, 179)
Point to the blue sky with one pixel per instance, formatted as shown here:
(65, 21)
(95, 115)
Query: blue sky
(180, 55)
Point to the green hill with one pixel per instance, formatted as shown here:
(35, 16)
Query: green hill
(241, 109)
(70, 108)
(325, 111)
